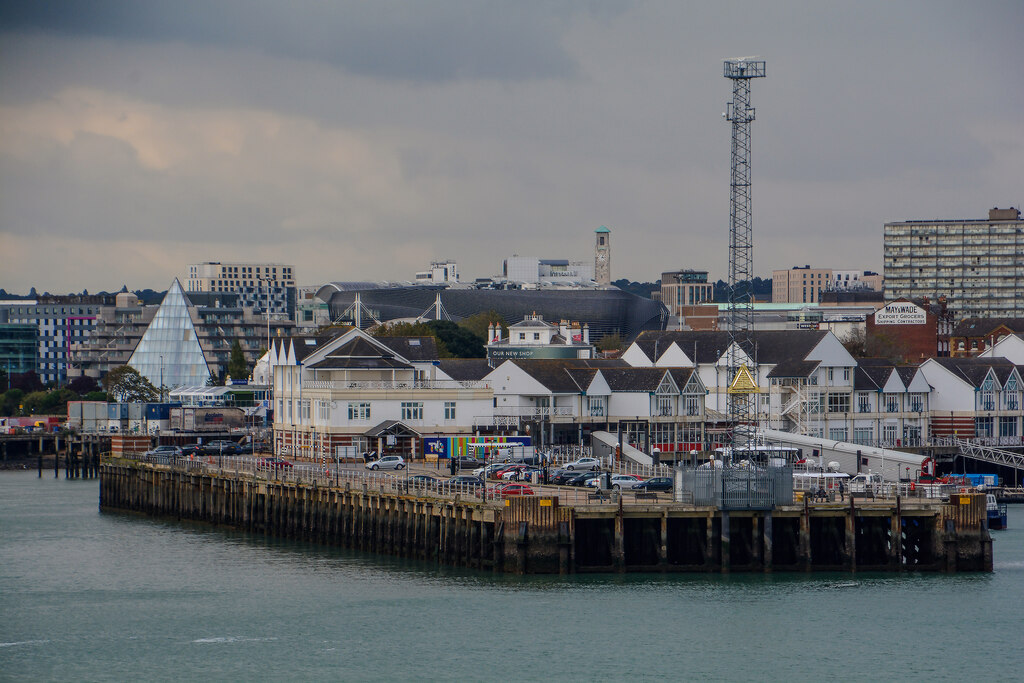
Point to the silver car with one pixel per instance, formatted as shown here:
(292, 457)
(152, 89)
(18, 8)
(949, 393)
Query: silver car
(388, 462)
(165, 451)
(583, 464)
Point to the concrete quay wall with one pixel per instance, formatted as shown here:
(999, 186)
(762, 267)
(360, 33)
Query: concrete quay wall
(537, 535)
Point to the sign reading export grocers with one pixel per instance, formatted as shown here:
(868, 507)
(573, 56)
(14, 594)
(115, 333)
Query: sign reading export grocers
(901, 313)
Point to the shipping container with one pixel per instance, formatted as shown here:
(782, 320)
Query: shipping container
(209, 419)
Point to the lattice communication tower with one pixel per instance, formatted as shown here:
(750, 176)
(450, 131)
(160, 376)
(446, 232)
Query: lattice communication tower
(742, 405)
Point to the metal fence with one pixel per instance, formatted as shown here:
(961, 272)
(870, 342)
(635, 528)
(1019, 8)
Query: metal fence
(568, 452)
(332, 474)
(326, 475)
(735, 488)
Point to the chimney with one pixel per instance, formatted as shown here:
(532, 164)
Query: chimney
(586, 333)
(490, 334)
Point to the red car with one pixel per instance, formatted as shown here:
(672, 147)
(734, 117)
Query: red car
(501, 473)
(512, 489)
(272, 463)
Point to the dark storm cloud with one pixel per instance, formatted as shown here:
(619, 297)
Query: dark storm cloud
(428, 41)
(405, 132)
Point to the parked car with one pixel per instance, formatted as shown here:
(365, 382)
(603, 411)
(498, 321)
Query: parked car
(654, 484)
(221, 447)
(165, 451)
(192, 449)
(424, 481)
(582, 479)
(273, 464)
(467, 463)
(489, 470)
(621, 482)
(464, 481)
(583, 464)
(616, 481)
(387, 462)
(510, 472)
(511, 489)
(249, 447)
(561, 477)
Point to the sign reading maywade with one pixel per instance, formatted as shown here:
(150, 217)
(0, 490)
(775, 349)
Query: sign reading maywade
(901, 313)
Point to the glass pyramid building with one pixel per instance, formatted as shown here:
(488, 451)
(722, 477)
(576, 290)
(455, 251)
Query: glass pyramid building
(169, 348)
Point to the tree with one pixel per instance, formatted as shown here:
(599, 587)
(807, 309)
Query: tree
(478, 322)
(759, 288)
(610, 342)
(83, 385)
(126, 385)
(642, 289)
(460, 342)
(418, 329)
(27, 381)
(877, 344)
(49, 402)
(11, 403)
(237, 367)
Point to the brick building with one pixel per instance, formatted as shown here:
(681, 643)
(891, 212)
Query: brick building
(909, 330)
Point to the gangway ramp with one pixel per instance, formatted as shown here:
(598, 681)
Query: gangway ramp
(853, 458)
(988, 454)
(604, 444)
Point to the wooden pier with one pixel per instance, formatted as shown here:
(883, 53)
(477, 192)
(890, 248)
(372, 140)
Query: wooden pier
(537, 535)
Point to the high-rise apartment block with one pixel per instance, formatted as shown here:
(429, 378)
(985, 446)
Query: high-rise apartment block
(62, 321)
(977, 264)
(260, 286)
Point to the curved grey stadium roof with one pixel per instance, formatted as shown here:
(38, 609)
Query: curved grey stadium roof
(607, 311)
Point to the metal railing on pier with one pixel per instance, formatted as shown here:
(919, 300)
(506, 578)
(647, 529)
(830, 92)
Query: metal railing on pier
(736, 488)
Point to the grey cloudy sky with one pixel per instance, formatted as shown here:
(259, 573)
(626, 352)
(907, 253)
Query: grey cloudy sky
(361, 140)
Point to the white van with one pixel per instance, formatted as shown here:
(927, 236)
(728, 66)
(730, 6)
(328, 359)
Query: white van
(862, 483)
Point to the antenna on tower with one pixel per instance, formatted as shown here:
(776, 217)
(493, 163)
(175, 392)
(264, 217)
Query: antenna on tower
(742, 378)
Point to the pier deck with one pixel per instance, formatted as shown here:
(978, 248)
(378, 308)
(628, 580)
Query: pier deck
(544, 535)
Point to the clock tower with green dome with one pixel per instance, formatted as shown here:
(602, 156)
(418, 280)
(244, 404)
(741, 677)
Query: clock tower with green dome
(603, 256)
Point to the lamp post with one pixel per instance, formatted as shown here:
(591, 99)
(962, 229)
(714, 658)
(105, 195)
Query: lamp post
(161, 379)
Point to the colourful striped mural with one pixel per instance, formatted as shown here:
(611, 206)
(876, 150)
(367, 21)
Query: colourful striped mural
(444, 447)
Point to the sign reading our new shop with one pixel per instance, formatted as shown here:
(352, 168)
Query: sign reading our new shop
(901, 313)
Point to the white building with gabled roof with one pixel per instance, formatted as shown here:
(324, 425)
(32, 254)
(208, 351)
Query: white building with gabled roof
(976, 398)
(361, 392)
(570, 399)
(804, 378)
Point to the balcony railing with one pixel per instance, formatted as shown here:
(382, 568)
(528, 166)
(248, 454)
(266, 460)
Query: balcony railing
(392, 385)
(527, 411)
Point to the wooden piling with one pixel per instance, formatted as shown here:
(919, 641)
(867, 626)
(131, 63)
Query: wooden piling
(530, 535)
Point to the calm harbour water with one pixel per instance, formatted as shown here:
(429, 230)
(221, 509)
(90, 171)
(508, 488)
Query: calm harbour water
(90, 596)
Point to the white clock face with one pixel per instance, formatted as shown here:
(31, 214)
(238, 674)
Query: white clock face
(600, 257)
